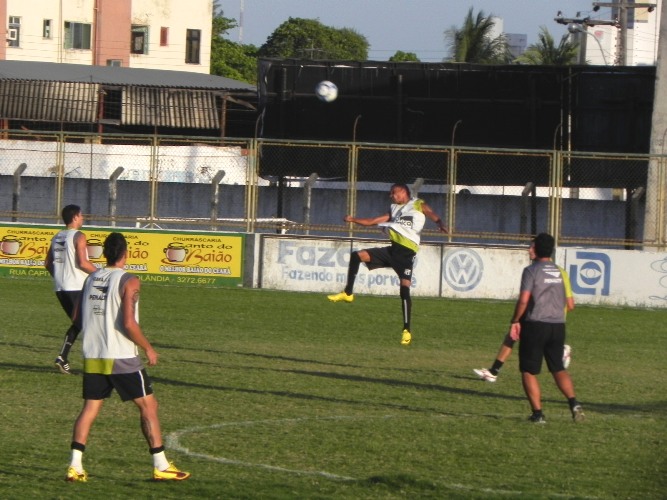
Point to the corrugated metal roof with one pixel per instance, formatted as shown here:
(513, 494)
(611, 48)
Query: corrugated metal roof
(169, 108)
(107, 75)
(48, 101)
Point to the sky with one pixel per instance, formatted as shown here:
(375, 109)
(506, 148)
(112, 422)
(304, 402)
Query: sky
(409, 25)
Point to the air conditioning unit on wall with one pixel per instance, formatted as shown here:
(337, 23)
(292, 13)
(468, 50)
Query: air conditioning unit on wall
(12, 34)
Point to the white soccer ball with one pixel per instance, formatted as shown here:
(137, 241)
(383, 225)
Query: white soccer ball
(326, 91)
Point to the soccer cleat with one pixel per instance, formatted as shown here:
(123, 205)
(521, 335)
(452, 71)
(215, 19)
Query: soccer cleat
(537, 418)
(567, 355)
(62, 365)
(73, 476)
(485, 374)
(171, 473)
(340, 297)
(406, 338)
(578, 414)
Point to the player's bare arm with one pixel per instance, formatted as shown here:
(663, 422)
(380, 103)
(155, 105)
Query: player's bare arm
(519, 311)
(48, 262)
(367, 221)
(428, 212)
(82, 254)
(130, 300)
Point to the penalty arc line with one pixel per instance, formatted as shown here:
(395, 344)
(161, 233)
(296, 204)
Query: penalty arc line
(172, 441)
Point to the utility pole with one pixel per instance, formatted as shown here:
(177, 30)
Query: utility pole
(579, 25)
(656, 184)
(622, 15)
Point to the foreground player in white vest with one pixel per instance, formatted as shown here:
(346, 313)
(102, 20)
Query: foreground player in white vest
(403, 222)
(68, 264)
(111, 337)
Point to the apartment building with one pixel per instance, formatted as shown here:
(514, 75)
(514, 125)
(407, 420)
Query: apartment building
(149, 34)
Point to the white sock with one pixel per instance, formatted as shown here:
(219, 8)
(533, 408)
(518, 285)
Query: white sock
(160, 461)
(77, 456)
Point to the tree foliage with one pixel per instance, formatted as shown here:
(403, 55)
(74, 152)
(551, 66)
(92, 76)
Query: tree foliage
(474, 42)
(401, 56)
(546, 52)
(229, 59)
(310, 39)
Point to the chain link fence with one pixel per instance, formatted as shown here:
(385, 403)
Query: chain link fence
(488, 196)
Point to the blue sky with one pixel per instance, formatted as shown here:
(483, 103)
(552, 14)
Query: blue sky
(409, 25)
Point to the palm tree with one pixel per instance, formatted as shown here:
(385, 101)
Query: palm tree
(546, 52)
(474, 43)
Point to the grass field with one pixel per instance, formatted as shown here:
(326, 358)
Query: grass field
(270, 394)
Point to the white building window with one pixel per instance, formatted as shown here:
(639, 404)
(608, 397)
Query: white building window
(139, 41)
(77, 35)
(14, 32)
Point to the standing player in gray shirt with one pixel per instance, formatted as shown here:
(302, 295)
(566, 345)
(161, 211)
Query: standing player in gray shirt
(544, 302)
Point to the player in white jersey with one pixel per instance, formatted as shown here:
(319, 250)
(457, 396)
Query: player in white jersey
(403, 222)
(112, 337)
(67, 262)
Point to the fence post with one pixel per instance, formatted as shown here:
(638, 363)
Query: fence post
(307, 197)
(635, 198)
(113, 191)
(16, 192)
(215, 191)
(525, 203)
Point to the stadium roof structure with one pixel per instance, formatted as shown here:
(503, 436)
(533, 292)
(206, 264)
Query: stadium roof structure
(70, 95)
(108, 75)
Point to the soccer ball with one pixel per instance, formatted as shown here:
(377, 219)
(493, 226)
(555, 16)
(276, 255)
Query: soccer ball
(326, 91)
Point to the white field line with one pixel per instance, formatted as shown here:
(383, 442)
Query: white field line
(172, 442)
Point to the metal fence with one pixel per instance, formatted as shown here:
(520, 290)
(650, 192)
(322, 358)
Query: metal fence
(490, 196)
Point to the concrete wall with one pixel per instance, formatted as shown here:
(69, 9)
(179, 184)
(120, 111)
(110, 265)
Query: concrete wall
(474, 213)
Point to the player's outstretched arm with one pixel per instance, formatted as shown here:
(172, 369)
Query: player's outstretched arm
(428, 212)
(367, 221)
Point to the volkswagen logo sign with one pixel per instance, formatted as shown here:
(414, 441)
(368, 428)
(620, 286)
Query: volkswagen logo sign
(462, 269)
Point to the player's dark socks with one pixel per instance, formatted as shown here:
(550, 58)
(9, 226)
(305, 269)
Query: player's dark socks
(572, 402)
(406, 304)
(352, 271)
(70, 337)
(495, 368)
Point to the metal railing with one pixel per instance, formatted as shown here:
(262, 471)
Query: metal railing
(486, 195)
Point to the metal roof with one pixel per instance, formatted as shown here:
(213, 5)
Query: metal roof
(108, 75)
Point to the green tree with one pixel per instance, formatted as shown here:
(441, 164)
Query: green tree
(310, 39)
(546, 52)
(229, 59)
(474, 43)
(401, 56)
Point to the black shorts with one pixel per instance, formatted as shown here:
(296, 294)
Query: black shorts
(398, 257)
(541, 340)
(68, 299)
(128, 385)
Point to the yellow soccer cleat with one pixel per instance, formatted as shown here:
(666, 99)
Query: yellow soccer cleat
(406, 338)
(340, 297)
(73, 476)
(171, 473)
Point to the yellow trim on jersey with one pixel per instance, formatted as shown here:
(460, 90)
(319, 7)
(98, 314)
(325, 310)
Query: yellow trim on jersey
(98, 365)
(402, 240)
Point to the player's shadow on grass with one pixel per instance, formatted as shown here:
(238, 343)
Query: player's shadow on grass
(598, 407)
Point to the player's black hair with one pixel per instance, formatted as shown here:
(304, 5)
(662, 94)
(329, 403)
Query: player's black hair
(544, 245)
(69, 212)
(403, 186)
(115, 246)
